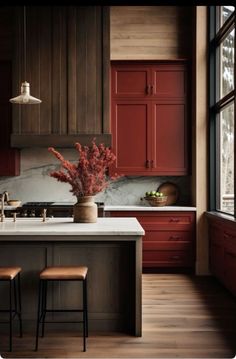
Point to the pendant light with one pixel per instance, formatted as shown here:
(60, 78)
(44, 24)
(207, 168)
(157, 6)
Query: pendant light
(25, 98)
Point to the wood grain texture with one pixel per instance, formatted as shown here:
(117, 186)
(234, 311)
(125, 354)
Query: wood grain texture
(67, 68)
(183, 316)
(150, 32)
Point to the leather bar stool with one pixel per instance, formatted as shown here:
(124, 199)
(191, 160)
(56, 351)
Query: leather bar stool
(61, 273)
(12, 276)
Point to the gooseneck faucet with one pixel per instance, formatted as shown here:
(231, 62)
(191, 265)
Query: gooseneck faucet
(5, 195)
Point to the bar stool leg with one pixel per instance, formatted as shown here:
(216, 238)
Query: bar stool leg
(84, 315)
(86, 306)
(19, 299)
(10, 315)
(44, 305)
(39, 314)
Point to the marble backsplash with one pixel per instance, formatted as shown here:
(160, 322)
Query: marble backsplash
(35, 184)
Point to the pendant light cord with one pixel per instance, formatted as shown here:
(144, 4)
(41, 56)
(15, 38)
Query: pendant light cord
(24, 30)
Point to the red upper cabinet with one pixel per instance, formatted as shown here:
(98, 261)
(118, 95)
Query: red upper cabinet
(9, 158)
(149, 118)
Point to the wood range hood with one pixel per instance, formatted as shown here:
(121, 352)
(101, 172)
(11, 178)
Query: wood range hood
(62, 141)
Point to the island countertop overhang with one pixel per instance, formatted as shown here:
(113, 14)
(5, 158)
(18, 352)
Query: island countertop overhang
(106, 227)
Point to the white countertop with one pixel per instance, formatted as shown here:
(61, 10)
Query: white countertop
(66, 227)
(148, 208)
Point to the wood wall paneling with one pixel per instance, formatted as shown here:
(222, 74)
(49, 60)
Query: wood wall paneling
(150, 32)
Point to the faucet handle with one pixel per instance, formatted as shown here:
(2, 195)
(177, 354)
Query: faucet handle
(14, 216)
(44, 214)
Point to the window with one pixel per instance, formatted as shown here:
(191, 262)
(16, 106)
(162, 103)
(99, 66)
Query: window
(222, 111)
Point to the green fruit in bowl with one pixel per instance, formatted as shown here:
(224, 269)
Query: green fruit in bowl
(157, 194)
(153, 193)
(161, 194)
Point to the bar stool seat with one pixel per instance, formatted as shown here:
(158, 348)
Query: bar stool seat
(9, 273)
(61, 273)
(64, 273)
(12, 276)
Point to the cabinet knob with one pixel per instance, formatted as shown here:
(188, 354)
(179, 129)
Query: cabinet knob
(152, 89)
(147, 164)
(152, 163)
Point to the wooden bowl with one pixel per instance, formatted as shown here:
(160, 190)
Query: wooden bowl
(156, 201)
(14, 202)
(170, 190)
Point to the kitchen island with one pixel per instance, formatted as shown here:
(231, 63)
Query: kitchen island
(110, 248)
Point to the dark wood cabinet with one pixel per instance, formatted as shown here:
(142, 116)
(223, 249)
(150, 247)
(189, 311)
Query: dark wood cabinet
(68, 69)
(169, 240)
(9, 158)
(149, 118)
(223, 252)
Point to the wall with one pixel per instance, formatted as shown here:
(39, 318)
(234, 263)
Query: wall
(150, 32)
(35, 184)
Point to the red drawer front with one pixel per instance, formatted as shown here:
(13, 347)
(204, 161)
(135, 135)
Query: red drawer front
(175, 219)
(174, 258)
(157, 220)
(162, 246)
(230, 270)
(168, 236)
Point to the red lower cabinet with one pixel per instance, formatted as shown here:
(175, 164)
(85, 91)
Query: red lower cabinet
(223, 252)
(169, 239)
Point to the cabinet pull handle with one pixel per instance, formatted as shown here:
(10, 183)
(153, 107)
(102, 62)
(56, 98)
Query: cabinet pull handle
(228, 236)
(152, 87)
(173, 238)
(152, 163)
(147, 164)
(175, 257)
(148, 88)
(231, 254)
(174, 220)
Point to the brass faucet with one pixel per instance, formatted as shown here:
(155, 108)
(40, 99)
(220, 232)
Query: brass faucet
(5, 195)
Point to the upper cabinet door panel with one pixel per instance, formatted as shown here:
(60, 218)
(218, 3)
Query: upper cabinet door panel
(130, 131)
(169, 146)
(169, 82)
(131, 81)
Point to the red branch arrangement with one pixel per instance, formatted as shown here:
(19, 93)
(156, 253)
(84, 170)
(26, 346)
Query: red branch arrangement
(87, 177)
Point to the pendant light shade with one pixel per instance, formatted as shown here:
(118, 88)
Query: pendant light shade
(24, 98)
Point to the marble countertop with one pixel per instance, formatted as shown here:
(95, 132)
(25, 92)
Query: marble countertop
(66, 227)
(148, 208)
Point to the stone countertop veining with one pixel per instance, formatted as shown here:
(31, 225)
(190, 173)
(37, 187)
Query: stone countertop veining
(147, 208)
(66, 227)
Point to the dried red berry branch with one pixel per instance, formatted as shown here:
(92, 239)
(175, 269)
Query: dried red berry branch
(89, 176)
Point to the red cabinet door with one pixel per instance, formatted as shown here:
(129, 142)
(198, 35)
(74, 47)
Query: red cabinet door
(131, 81)
(169, 145)
(169, 81)
(130, 134)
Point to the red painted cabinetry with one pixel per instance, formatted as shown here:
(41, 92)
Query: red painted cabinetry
(149, 118)
(9, 158)
(169, 239)
(223, 252)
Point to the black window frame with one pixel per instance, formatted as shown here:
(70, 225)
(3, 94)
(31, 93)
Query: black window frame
(216, 106)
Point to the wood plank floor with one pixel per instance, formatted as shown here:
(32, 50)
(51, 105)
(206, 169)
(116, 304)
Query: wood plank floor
(183, 317)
